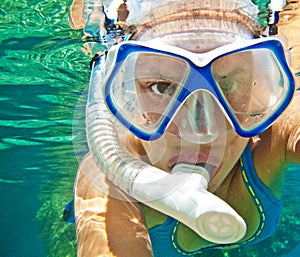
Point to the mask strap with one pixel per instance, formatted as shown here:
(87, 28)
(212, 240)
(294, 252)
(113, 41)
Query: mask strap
(275, 6)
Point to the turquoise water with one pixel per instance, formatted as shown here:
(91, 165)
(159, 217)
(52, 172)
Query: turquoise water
(43, 73)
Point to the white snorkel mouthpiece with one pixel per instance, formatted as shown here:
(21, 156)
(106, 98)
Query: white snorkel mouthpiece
(215, 219)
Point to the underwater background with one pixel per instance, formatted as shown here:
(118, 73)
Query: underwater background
(44, 72)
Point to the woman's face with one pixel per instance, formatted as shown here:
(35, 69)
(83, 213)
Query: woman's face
(158, 85)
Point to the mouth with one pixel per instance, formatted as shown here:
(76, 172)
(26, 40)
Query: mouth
(201, 159)
(211, 169)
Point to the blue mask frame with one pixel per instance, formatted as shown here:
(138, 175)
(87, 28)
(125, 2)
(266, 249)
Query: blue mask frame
(198, 73)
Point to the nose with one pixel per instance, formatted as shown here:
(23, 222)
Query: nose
(199, 120)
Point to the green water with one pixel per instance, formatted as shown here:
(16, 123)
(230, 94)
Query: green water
(43, 73)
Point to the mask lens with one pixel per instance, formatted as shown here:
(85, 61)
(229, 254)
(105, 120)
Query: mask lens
(144, 87)
(201, 121)
(253, 84)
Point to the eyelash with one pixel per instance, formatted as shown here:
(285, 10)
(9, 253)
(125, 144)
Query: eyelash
(168, 88)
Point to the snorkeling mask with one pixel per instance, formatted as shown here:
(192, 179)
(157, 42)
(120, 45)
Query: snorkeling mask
(145, 86)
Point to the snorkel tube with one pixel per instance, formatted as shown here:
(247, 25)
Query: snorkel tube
(182, 194)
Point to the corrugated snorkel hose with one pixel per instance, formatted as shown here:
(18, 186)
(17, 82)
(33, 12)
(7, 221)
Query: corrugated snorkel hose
(120, 167)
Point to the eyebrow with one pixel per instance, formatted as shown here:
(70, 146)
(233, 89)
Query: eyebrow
(163, 70)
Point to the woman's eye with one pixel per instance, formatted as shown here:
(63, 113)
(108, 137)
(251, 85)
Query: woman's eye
(163, 88)
(227, 83)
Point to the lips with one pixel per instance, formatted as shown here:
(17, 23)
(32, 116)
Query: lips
(199, 158)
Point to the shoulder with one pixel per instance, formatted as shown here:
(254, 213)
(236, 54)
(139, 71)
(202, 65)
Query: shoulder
(277, 147)
(280, 144)
(288, 128)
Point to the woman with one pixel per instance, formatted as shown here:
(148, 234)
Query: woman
(244, 156)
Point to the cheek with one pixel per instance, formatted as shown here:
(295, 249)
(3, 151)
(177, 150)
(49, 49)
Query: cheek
(234, 149)
(153, 107)
(156, 151)
(148, 100)
(239, 102)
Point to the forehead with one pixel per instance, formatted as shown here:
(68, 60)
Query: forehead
(154, 65)
(197, 42)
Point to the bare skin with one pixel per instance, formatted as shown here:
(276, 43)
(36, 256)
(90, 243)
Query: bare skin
(103, 222)
(107, 226)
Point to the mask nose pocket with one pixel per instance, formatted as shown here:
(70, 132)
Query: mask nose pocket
(199, 120)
